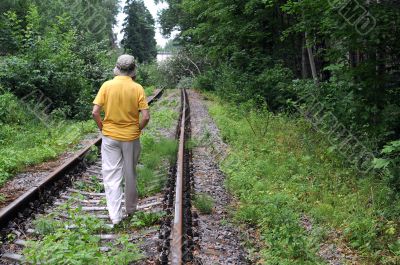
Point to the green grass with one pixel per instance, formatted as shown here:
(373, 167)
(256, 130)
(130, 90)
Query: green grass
(142, 220)
(155, 158)
(204, 203)
(56, 244)
(157, 150)
(166, 115)
(290, 172)
(2, 198)
(32, 143)
(94, 186)
(149, 90)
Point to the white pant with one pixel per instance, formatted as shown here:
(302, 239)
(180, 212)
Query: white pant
(119, 160)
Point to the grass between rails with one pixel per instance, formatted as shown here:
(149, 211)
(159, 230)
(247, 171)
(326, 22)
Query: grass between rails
(57, 243)
(291, 173)
(158, 151)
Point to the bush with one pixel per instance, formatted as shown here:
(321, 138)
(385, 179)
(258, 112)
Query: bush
(206, 81)
(148, 75)
(11, 111)
(390, 164)
(186, 82)
(60, 68)
(269, 84)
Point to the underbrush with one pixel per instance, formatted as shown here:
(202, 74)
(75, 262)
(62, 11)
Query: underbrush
(31, 143)
(284, 174)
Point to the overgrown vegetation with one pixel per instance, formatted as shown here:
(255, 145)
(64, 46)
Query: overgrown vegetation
(25, 140)
(204, 203)
(60, 65)
(142, 219)
(76, 241)
(93, 186)
(289, 174)
(342, 55)
(155, 158)
(158, 151)
(54, 58)
(334, 60)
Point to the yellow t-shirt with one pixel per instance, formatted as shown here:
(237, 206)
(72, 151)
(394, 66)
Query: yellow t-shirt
(121, 99)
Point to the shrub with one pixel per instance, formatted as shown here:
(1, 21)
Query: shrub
(390, 163)
(11, 111)
(56, 65)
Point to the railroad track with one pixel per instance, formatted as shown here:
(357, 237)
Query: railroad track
(77, 188)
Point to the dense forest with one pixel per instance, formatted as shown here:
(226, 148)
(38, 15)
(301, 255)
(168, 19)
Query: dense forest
(343, 55)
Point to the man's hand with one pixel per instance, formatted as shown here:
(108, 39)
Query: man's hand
(97, 117)
(145, 118)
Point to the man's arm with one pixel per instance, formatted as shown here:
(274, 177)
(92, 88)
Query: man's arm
(97, 117)
(145, 118)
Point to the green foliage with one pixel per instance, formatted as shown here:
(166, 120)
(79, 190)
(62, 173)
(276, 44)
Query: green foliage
(92, 155)
(58, 244)
(204, 203)
(46, 225)
(148, 75)
(142, 219)
(290, 173)
(139, 29)
(11, 111)
(390, 164)
(238, 86)
(256, 48)
(149, 90)
(156, 153)
(94, 186)
(58, 64)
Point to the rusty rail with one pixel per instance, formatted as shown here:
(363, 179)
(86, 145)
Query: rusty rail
(177, 238)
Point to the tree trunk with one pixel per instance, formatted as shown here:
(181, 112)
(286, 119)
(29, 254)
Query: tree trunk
(304, 66)
(311, 59)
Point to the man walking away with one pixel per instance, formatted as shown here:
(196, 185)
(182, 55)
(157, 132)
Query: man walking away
(122, 99)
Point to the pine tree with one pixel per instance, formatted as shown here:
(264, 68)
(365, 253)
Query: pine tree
(139, 29)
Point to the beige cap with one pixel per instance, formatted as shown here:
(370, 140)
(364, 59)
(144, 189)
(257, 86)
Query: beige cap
(126, 65)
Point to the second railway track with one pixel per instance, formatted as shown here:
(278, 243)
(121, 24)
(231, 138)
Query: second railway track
(171, 242)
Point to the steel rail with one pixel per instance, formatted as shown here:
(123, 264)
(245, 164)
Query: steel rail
(177, 235)
(11, 211)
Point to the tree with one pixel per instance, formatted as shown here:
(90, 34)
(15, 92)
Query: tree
(139, 29)
(351, 47)
(54, 48)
